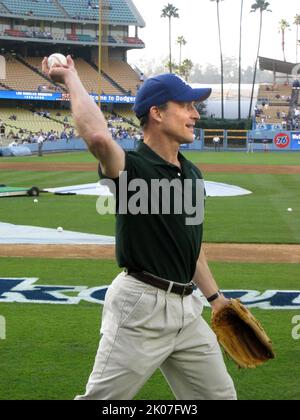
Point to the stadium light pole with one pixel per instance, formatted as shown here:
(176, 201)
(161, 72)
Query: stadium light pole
(99, 53)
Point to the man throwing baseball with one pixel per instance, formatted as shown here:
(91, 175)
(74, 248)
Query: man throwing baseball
(151, 318)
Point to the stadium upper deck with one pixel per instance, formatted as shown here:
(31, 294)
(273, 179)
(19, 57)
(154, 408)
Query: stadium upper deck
(115, 12)
(32, 29)
(71, 22)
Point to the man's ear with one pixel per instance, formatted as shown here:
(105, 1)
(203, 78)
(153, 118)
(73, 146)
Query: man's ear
(155, 113)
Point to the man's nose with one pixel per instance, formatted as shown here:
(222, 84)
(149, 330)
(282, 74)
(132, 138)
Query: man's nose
(196, 114)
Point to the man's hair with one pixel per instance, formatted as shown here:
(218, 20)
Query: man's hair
(144, 119)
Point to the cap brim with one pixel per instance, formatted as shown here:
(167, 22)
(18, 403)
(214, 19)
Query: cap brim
(197, 95)
(202, 94)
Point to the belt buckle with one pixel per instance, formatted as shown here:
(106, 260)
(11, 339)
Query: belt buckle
(185, 288)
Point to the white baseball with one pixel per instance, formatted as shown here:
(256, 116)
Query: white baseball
(57, 59)
(289, 209)
(35, 200)
(59, 229)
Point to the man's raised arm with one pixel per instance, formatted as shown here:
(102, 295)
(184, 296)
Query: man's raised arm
(88, 118)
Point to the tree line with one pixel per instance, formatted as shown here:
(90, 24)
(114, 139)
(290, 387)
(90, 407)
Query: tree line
(210, 73)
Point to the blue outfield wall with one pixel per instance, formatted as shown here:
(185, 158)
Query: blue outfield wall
(79, 144)
(59, 146)
(71, 145)
(277, 141)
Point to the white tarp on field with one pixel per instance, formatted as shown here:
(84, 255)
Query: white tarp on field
(18, 234)
(213, 189)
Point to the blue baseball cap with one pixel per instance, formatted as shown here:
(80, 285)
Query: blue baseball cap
(160, 89)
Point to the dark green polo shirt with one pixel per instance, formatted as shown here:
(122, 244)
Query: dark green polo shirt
(161, 244)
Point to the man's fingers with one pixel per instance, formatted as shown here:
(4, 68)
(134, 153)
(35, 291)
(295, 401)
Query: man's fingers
(57, 71)
(45, 68)
(70, 62)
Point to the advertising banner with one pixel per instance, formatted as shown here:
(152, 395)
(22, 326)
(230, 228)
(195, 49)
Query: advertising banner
(57, 96)
(282, 140)
(295, 141)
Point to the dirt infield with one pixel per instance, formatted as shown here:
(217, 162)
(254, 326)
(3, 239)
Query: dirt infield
(246, 253)
(251, 169)
(49, 167)
(92, 167)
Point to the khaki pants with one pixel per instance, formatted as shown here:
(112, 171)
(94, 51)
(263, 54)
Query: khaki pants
(144, 328)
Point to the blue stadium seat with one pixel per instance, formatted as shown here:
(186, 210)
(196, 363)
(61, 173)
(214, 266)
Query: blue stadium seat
(35, 8)
(116, 10)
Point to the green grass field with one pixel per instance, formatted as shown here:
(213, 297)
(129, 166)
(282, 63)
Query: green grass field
(261, 217)
(50, 349)
(240, 158)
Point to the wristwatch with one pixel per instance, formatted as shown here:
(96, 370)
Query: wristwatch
(214, 297)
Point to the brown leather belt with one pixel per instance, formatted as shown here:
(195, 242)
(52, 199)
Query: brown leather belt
(167, 285)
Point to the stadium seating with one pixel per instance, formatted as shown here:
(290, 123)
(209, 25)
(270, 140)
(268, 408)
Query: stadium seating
(16, 33)
(273, 103)
(89, 77)
(3, 86)
(36, 62)
(132, 40)
(20, 77)
(80, 9)
(121, 72)
(28, 34)
(114, 10)
(63, 114)
(36, 7)
(127, 114)
(275, 94)
(24, 73)
(87, 73)
(58, 121)
(27, 121)
(4, 142)
(80, 38)
(110, 39)
(2, 9)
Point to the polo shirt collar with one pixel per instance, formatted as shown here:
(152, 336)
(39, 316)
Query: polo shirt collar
(146, 151)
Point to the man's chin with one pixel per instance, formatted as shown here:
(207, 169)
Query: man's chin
(188, 140)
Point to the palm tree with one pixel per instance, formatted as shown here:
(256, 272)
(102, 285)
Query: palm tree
(221, 58)
(240, 60)
(283, 26)
(262, 6)
(170, 12)
(181, 42)
(185, 68)
(297, 23)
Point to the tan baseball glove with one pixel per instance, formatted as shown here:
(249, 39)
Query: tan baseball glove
(241, 335)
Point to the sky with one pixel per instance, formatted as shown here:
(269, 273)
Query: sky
(198, 25)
